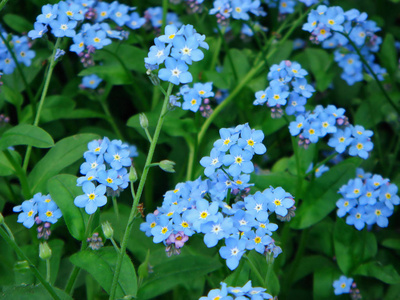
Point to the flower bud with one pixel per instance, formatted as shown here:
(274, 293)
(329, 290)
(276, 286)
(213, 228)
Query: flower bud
(132, 174)
(144, 122)
(107, 230)
(167, 166)
(44, 251)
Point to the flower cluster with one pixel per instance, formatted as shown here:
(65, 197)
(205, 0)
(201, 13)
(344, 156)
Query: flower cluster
(204, 206)
(288, 85)
(104, 169)
(311, 126)
(342, 31)
(367, 199)
(197, 98)
(245, 292)
(287, 6)
(237, 9)
(154, 16)
(64, 18)
(177, 48)
(41, 208)
(21, 48)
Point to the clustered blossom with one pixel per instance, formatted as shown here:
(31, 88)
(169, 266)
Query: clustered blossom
(104, 170)
(288, 6)
(21, 48)
(177, 49)
(242, 293)
(288, 85)
(368, 199)
(85, 22)
(41, 208)
(334, 28)
(311, 126)
(220, 206)
(197, 98)
(237, 9)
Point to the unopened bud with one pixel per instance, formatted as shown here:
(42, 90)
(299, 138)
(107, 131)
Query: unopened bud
(44, 251)
(107, 230)
(21, 266)
(132, 174)
(144, 122)
(167, 166)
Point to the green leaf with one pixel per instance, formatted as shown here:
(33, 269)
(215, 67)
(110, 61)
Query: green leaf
(387, 274)
(25, 134)
(322, 283)
(6, 168)
(56, 107)
(112, 73)
(101, 265)
(131, 56)
(352, 247)
(319, 62)
(283, 179)
(310, 264)
(320, 198)
(241, 65)
(17, 23)
(388, 54)
(391, 243)
(283, 52)
(176, 270)
(12, 96)
(64, 153)
(63, 191)
(32, 292)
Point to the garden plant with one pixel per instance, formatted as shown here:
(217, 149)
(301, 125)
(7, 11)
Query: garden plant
(199, 149)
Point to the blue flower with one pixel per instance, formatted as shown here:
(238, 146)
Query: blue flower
(176, 72)
(238, 160)
(342, 285)
(49, 211)
(135, 21)
(162, 230)
(341, 139)
(63, 27)
(93, 197)
(109, 178)
(91, 81)
(357, 217)
(49, 13)
(212, 162)
(192, 101)
(28, 213)
(186, 49)
(216, 230)
(232, 252)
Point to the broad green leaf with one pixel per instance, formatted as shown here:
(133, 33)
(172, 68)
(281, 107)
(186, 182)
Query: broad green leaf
(320, 62)
(283, 179)
(6, 168)
(281, 53)
(32, 292)
(320, 197)
(56, 107)
(17, 23)
(64, 153)
(101, 265)
(236, 62)
(25, 134)
(322, 283)
(392, 243)
(63, 191)
(387, 274)
(12, 96)
(83, 114)
(388, 54)
(352, 247)
(176, 270)
(112, 73)
(310, 264)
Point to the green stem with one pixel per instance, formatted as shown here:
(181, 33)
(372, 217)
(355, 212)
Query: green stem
(164, 15)
(192, 155)
(8, 230)
(146, 130)
(217, 49)
(115, 204)
(149, 158)
(42, 98)
(365, 62)
(115, 245)
(48, 270)
(32, 267)
(226, 48)
(20, 173)
(111, 120)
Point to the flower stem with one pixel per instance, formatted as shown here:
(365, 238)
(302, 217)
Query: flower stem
(115, 204)
(48, 270)
(20, 173)
(149, 158)
(42, 98)
(32, 267)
